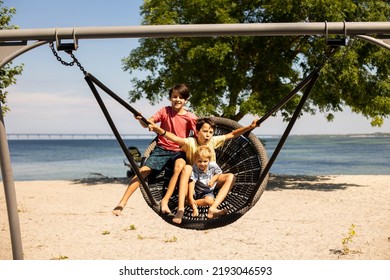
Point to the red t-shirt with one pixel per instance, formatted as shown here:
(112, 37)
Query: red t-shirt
(180, 125)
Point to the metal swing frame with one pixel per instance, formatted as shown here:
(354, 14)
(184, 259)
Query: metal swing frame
(92, 81)
(13, 43)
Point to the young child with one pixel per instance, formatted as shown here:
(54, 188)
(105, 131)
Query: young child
(173, 119)
(204, 177)
(204, 129)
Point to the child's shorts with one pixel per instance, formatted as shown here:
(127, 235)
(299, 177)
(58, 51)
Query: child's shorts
(203, 195)
(201, 191)
(159, 158)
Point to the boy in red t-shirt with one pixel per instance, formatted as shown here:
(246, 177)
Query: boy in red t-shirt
(177, 120)
(205, 129)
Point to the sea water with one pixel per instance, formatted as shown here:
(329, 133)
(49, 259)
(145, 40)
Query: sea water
(69, 159)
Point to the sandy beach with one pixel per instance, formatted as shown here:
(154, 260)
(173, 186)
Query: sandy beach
(297, 218)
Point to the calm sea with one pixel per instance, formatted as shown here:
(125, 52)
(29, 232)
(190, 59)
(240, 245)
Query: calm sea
(62, 159)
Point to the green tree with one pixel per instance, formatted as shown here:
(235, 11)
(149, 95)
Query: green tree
(232, 76)
(7, 73)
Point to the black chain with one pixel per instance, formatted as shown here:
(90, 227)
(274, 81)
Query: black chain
(75, 60)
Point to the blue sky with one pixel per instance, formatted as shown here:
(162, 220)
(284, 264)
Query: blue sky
(52, 98)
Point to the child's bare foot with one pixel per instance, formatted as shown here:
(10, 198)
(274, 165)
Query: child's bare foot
(214, 212)
(195, 212)
(164, 208)
(178, 217)
(117, 210)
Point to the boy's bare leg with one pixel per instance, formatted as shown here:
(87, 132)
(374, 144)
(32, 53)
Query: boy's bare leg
(194, 207)
(134, 184)
(206, 201)
(179, 164)
(227, 181)
(183, 189)
(190, 199)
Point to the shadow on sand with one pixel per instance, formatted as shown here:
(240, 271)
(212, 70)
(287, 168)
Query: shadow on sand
(99, 179)
(304, 182)
(275, 182)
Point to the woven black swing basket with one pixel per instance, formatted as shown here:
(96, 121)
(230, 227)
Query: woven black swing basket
(243, 156)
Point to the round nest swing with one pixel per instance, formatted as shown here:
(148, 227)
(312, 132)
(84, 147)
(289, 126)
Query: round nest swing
(243, 156)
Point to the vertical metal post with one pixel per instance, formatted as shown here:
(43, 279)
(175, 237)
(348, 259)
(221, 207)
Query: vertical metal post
(10, 194)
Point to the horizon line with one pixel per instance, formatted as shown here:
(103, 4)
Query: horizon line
(108, 136)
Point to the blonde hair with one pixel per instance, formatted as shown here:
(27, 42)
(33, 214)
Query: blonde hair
(203, 152)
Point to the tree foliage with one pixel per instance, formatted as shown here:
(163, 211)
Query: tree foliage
(232, 76)
(7, 73)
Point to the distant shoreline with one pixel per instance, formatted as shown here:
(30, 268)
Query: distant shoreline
(74, 136)
(106, 136)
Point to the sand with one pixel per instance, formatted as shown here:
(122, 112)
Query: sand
(297, 218)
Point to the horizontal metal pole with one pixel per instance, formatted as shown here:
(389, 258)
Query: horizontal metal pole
(198, 30)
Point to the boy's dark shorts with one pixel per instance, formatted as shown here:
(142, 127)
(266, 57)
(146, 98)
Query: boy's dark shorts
(160, 158)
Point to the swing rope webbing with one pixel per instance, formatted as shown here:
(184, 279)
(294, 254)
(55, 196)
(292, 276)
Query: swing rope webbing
(91, 80)
(313, 78)
(299, 87)
(309, 82)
